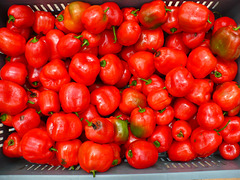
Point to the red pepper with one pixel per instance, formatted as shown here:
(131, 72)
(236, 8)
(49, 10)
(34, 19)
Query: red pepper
(74, 97)
(136, 83)
(161, 138)
(193, 40)
(205, 142)
(230, 129)
(25, 121)
(52, 38)
(131, 138)
(153, 14)
(141, 64)
(181, 130)
(125, 77)
(184, 109)
(37, 146)
(159, 99)
(95, 19)
(95, 157)
(87, 75)
(155, 82)
(117, 159)
(223, 22)
(130, 14)
(141, 154)
(127, 52)
(128, 33)
(106, 99)
(181, 151)
(33, 95)
(111, 69)
(33, 76)
(44, 22)
(108, 44)
(25, 32)
(6, 119)
(72, 16)
(67, 151)
(69, 45)
(166, 59)
(114, 13)
(142, 122)
(120, 130)
(100, 130)
(49, 102)
(229, 151)
(15, 72)
(227, 95)
(121, 115)
(64, 127)
(201, 91)
(131, 99)
(13, 98)
(224, 71)
(21, 59)
(11, 43)
(234, 111)
(164, 116)
(11, 145)
(90, 40)
(171, 25)
(37, 52)
(54, 74)
(22, 16)
(90, 113)
(179, 81)
(192, 17)
(175, 41)
(201, 62)
(226, 43)
(59, 22)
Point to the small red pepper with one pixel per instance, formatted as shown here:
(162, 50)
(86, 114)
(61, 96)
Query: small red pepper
(44, 22)
(11, 145)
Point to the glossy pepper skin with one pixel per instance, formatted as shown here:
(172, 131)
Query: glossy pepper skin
(153, 14)
(59, 22)
(36, 146)
(44, 22)
(11, 145)
(15, 72)
(120, 130)
(100, 130)
(13, 98)
(25, 121)
(74, 97)
(6, 119)
(142, 122)
(225, 42)
(141, 154)
(67, 151)
(64, 127)
(181, 130)
(72, 16)
(37, 52)
(49, 102)
(95, 157)
(106, 99)
(11, 44)
(229, 151)
(54, 75)
(22, 16)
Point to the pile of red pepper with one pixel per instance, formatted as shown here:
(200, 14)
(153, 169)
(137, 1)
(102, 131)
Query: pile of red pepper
(98, 84)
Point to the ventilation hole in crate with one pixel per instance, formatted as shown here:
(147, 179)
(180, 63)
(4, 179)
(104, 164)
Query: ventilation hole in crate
(37, 167)
(164, 2)
(56, 6)
(1, 124)
(63, 168)
(201, 164)
(1, 145)
(198, 2)
(44, 167)
(1, 131)
(174, 165)
(162, 159)
(36, 8)
(50, 7)
(50, 168)
(177, 3)
(204, 2)
(187, 164)
(180, 165)
(215, 5)
(63, 6)
(1, 138)
(77, 168)
(44, 9)
(30, 167)
(170, 3)
(10, 130)
(195, 165)
(209, 4)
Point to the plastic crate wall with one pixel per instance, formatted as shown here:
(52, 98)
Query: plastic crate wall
(200, 168)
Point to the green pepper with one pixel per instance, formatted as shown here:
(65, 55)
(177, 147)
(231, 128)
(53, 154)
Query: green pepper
(225, 42)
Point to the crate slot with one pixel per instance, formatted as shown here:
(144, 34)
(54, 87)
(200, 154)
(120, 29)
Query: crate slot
(209, 4)
(180, 165)
(37, 167)
(177, 3)
(30, 167)
(50, 7)
(44, 9)
(198, 2)
(77, 168)
(170, 3)
(63, 5)
(193, 163)
(204, 2)
(215, 5)
(44, 167)
(1, 131)
(1, 138)
(56, 6)
(10, 130)
(201, 164)
(1, 124)
(36, 7)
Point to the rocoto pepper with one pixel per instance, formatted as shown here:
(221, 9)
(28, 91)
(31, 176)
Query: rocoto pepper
(225, 42)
